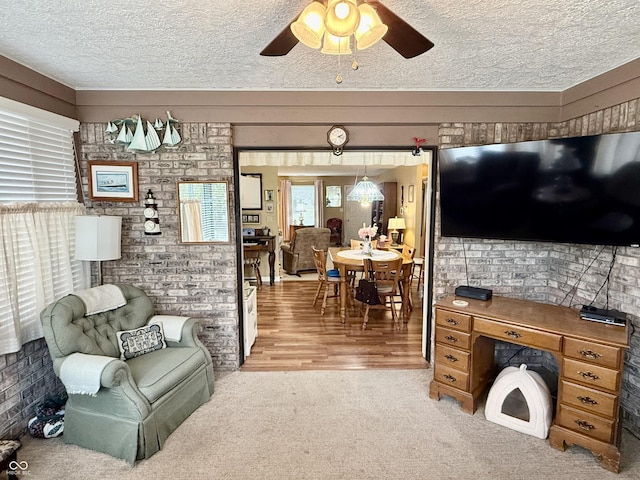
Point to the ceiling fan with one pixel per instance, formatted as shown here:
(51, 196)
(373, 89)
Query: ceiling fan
(401, 36)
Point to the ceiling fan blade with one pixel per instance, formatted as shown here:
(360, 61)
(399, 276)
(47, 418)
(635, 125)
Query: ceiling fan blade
(282, 44)
(401, 36)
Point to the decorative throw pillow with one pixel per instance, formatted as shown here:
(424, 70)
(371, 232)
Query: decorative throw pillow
(133, 343)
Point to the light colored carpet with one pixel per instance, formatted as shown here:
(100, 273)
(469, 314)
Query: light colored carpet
(371, 424)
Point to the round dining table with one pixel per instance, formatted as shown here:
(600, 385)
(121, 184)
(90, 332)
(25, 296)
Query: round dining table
(346, 259)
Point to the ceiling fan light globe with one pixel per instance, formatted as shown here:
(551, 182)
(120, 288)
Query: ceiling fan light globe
(342, 18)
(342, 10)
(371, 29)
(333, 45)
(371, 37)
(309, 27)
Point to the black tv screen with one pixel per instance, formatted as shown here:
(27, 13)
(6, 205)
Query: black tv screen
(570, 190)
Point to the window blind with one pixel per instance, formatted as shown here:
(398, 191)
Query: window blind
(38, 200)
(37, 161)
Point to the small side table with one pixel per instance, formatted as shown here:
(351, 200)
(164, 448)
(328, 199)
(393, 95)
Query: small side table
(8, 455)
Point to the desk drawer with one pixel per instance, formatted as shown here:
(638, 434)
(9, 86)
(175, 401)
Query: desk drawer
(590, 374)
(457, 321)
(452, 377)
(519, 335)
(453, 338)
(585, 423)
(452, 357)
(604, 355)
(585, 398)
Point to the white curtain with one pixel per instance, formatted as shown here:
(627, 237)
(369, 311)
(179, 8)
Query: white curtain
(37, 242)
(191, 220)
(284, 202)
(275, 158)
(319, 202)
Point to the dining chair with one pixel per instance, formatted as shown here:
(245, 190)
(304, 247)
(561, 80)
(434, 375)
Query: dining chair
(419, 264)
(327, 279)
(408, 251)
(252, 259)
(385, 274)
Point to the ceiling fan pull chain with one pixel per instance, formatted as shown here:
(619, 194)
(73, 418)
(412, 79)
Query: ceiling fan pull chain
(339, 77)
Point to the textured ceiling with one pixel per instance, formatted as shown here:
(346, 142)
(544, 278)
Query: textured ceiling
(215, 44)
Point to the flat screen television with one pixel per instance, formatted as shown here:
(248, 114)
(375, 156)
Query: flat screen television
(568, 190)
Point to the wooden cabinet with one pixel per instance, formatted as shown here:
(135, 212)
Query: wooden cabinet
(590, 357)
(453, 342)
(382, 210)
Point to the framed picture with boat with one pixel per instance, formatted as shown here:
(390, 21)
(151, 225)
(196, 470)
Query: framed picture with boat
(113, 181)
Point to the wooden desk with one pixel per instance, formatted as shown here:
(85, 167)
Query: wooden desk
(347, 264)
(590, 356)
(268, 243)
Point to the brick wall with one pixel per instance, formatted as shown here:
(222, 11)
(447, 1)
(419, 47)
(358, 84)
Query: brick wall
(26, 379)
(541, 271)
(182, 279)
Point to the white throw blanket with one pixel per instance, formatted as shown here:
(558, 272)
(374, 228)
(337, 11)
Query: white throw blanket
(101, 299)
(171, 324)
(80, 373)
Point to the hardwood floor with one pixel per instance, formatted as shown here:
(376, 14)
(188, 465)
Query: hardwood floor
(292, 335)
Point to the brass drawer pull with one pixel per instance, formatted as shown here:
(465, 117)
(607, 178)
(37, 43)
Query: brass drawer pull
(451, 338)
(451, 378)
(589, 354)
(451, 358)
(587, 400)
(512, 334)
(584, 425)
(452, 321)
(589, 375)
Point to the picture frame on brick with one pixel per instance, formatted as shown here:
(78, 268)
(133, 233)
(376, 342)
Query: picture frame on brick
(113, 181)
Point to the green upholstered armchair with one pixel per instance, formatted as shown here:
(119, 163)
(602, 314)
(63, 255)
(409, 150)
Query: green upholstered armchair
(126, 408)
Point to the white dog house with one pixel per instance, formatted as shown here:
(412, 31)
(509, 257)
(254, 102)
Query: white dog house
(520, 399)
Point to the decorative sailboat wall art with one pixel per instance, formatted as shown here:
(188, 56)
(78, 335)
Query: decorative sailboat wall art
(131, 132)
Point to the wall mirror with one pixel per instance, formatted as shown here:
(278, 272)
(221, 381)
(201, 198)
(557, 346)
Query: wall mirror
(203, 210)
(334, 196)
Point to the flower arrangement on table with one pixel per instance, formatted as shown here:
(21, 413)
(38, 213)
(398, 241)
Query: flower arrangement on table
(369, 231)
(367, 234)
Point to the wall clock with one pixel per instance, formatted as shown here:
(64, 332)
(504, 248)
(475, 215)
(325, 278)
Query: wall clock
(337, 136)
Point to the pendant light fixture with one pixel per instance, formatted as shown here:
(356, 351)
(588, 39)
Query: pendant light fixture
(365, 191)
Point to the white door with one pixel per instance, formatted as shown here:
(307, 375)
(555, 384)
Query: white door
(354, 216)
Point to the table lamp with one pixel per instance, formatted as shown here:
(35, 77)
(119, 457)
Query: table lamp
(98, 239)
(396, 224)
(301, 209)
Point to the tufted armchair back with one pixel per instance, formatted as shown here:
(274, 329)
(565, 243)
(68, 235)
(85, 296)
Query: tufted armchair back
(67, 328)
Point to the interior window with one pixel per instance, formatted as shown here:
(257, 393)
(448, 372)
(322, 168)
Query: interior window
(302, 205)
